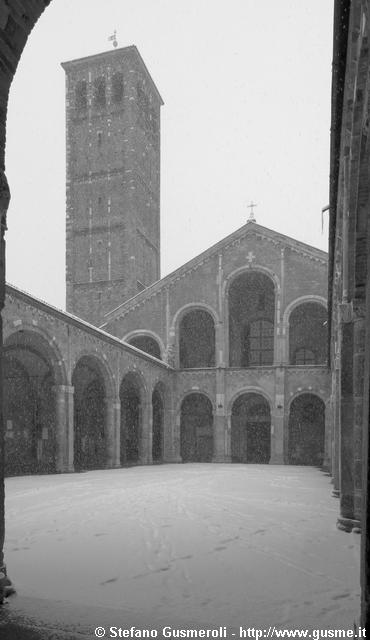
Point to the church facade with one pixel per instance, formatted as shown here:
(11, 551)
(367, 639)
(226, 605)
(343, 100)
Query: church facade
(223, 360)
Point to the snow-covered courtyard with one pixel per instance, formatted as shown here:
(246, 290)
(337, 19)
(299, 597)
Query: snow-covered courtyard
(195, 544)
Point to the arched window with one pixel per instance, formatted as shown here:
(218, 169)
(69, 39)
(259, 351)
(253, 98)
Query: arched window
(99, 92)
(81, 95)
(308, 335)
(197, 340)
(147, 344)
(117, 87)
(251, 320)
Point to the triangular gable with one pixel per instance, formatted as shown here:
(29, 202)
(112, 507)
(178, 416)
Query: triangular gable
(249, 229)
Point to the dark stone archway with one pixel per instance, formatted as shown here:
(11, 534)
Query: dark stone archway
(251, 429)
(197, 340)
(306, 430)
(131, 419)
(251, 320)
(196, 429)
(29, 407)
(90, 437)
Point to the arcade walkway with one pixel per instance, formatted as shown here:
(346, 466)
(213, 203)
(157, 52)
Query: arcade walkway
(193, 544)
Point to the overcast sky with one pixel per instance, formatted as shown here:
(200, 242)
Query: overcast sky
(246, 87)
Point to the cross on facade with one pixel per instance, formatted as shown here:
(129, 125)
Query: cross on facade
(250, 257)
(251, 215)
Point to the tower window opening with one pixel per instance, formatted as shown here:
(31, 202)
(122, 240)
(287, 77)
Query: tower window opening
(100, 138)
(81, 95)
(117, 87)
(100, 99)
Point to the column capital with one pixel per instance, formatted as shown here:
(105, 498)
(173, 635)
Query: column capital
(63, 388)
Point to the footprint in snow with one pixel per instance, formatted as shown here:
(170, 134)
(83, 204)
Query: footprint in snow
(229, 539)
(109, 581)
(219, 548)
(259, 531)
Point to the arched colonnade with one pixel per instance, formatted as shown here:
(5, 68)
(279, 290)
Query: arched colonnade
(53, 424)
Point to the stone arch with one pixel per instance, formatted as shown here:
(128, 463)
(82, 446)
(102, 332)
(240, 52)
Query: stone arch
(308, 333)
(251, 316)
(192, 306)
(196, 427)
(155, 346)
(249, 389)
(30, 372)
(188, 392)
(132, 394)
(158, 421)
(47, 345)
(308, 298)
(251, 427)
(306, 433)
(102, 365)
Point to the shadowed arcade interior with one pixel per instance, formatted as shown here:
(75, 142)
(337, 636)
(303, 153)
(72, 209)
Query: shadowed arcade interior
(131, 418)
(306, 430)
(196, 428)
(251, 429)
(251, 320)
(28, 405)
(90, 441)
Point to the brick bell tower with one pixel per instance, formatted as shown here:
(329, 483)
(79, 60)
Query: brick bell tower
(113, 181)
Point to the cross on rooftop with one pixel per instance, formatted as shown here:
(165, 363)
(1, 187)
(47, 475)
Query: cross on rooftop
(113, 39)
(251, 215)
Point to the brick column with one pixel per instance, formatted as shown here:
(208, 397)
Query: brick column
(278, 418)
(110, 431)
(346, 520)
(171, 437)
(219, 421)
(64, 411)
(336, 423)
(358, 400)
(117, 434)
(326, 465)
(177, 435)
(146, 421)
